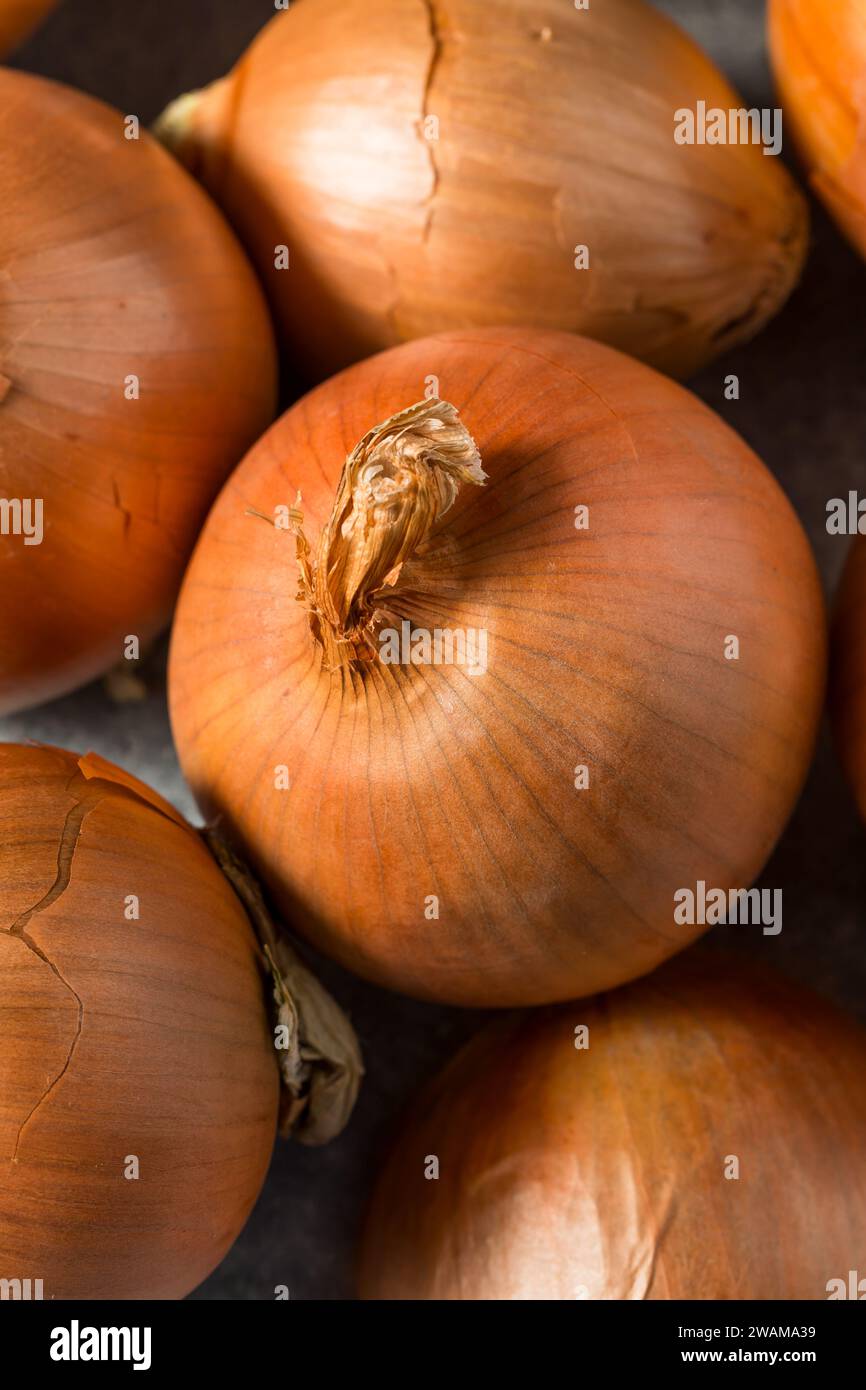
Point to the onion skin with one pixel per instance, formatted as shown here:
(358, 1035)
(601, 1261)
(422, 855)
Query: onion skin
(849, 671)
(18, 19)
(316, 141)
(112, 263)
(145, 1037)
(600, 1173)
(819, 58)
(605, 650)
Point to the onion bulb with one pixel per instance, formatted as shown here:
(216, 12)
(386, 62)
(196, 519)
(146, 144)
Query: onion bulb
(698, 1135)
(849, 671)
(136, 366)
(819, 58)
(560, 652)
(138, 1080)
(18, 19)
(491, 162)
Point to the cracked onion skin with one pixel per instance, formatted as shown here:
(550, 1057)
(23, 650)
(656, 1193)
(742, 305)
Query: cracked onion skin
(18, 19)
(848, 690)
(556, 130)
(143, 1037)
(606, 650)
(113, 263)
(600, 1173)
(819, 60)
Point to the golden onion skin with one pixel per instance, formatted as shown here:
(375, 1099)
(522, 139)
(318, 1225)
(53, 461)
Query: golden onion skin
(18, 19)
(113, 265)
(819, 60)
(603, 1173)
(122, 1038)
(606, 650)
(554, 130)
(849, 671)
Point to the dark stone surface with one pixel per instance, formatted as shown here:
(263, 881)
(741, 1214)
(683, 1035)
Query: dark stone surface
(803, 409)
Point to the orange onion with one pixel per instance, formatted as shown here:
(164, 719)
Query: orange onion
(508, 827)
(138, 1080)
(139, 1075)
(18, 19)
(699, 1135)
(849, 671)
(819, 59)
(136, 365)
(427, 167)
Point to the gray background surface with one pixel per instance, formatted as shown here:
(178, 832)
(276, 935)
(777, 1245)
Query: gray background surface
(802, 408)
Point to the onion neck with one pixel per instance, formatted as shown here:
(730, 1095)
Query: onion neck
(172, 127)
(396, 484)
(320, 1062)
(191, 126)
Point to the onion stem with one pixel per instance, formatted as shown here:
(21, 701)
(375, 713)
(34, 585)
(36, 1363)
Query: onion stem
(396, 483)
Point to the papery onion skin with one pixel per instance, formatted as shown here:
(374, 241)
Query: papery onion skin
(849, 671)
(601, 1173)
(819, 59)
(18, 19)
(145, 1038)
(606, 649)
(555, 131)
(113, 264)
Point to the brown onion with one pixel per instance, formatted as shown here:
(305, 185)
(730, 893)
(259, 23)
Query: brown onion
(431, 828)
(704, 1139)
(819, 58)
(432, 167)
(849, 671)
(138, 1080)
(18, 19)
(136, 365)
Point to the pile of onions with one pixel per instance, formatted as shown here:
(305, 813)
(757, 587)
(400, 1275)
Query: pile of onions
(849, 671)
(125, 1038)
(515, 835)
(703, 1139)
(819, 58)
(432, 167)
(18, 19)
(138, 1075)
(136, 365)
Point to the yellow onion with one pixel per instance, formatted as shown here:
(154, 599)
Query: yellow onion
(430, 167)
(138, 1079)
(18, 18)
(510, 827)
(138, 1074)
(136, 365)
(819, 58)
(849, 671)
(703, 1138)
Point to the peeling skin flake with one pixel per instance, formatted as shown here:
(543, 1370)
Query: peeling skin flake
(321, 1065)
